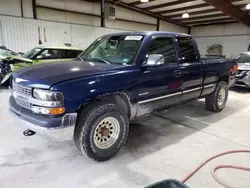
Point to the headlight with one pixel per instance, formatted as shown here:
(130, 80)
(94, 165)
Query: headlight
(47, 95)
(48, 111)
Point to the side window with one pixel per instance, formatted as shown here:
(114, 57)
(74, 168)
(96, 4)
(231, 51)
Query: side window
(187, 49)
(59, 54)
(48, 54)
(165, 47)
(71, 54)
(246, 59)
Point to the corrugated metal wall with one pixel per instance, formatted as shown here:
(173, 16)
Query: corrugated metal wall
(21, 34)
(63, 26)
(234, 38)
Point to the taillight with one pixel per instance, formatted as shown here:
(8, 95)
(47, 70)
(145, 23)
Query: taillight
(234, 69)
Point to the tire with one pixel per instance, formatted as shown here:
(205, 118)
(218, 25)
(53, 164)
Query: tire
(215, 101)
(101, 130)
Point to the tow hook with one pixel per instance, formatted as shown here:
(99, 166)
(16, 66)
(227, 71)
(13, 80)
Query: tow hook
(28, 132)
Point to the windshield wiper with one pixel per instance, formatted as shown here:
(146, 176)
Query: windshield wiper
(99, 59)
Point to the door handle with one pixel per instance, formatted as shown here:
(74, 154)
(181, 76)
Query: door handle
(178, 73)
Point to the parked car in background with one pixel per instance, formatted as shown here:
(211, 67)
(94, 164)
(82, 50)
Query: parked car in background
(119, 78)
(243, 74)
(38, 55)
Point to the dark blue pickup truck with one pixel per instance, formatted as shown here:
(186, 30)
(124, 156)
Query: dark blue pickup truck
(118, 78)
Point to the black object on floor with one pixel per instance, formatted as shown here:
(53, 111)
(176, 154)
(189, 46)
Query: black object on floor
(168, 184)
(28, 132)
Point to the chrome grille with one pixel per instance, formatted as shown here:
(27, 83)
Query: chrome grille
(22, 89)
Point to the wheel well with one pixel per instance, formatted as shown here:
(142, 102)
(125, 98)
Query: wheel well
(224, 78)
(120, 99)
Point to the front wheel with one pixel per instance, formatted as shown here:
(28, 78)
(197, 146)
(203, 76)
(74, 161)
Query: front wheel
(101, 131)
(217, 100)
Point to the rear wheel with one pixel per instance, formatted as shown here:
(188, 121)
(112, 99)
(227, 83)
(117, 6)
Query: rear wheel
(217, 100)
(101, 131)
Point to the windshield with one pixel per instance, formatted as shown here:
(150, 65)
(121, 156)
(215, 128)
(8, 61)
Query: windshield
(243, 58)
(32, 53)
(116, 49)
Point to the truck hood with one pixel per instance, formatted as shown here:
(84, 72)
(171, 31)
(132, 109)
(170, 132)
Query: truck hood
(45, 75)
(244, 66)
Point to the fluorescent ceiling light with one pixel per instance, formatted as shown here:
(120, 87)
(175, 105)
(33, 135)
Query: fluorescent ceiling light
(185, 15)
(248, 6)
(144, 1)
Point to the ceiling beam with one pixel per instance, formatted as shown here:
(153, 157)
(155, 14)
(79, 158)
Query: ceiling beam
(197, 13)
(231, 10)
(167, 4)
(141, 11)
(209, 21)
(138, 3)
(218, 23)
(204, 17)
(183, 8)
(145, 12)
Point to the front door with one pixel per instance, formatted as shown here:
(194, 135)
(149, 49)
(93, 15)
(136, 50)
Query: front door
(191, 68)
(160, 86)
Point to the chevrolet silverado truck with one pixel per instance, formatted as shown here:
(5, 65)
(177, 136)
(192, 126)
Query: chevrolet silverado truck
(119, 78)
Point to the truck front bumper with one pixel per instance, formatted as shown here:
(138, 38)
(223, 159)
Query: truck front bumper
(55, 128)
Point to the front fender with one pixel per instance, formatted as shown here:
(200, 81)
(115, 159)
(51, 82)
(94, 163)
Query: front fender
(79, 91)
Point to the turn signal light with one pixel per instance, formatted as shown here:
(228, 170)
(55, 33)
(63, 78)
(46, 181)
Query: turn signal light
(57, 111)
(48, 111)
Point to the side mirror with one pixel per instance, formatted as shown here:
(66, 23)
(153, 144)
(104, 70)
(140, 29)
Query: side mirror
(154, 60)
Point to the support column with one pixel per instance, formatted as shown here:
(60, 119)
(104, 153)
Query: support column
(102, 13)
(158, 25)
(34, 9)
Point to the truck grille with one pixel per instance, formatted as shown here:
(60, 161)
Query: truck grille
(22, 89)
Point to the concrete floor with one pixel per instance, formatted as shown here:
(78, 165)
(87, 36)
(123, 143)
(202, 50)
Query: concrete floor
(166, 146)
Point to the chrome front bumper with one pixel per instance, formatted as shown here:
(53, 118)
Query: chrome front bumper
(56, 134)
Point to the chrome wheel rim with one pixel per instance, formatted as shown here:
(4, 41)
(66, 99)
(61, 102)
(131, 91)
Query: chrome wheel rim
(106, 133)
(222, 97)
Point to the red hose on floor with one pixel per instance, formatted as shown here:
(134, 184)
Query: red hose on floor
(219, 167)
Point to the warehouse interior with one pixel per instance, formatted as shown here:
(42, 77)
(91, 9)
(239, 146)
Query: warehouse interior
(167, 144)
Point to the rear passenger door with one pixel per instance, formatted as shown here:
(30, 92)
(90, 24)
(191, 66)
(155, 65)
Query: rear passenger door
(160, 86)
(191, 68)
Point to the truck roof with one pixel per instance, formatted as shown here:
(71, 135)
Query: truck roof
(151, 33)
